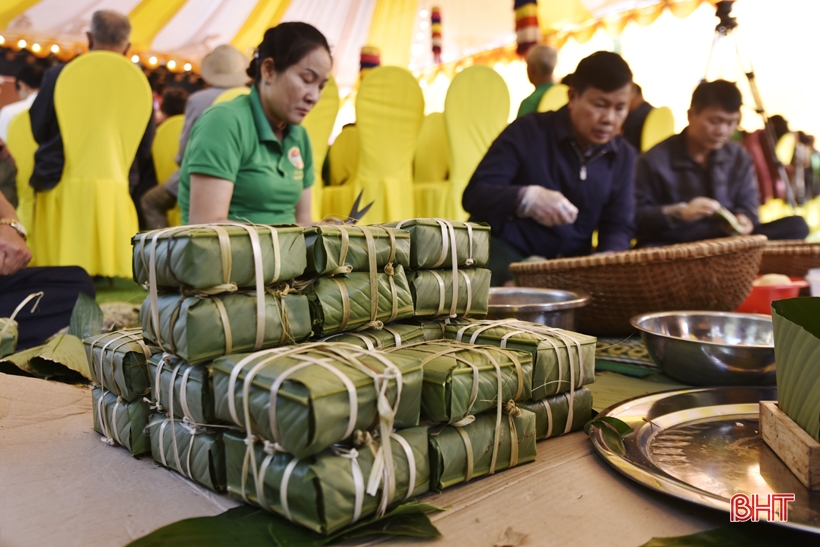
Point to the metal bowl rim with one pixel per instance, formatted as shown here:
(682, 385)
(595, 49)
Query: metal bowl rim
(635, 322)
(581, 299)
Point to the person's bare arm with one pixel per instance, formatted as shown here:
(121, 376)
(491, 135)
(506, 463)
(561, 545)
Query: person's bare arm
(14, 253)
(210, 199)
(304, 213)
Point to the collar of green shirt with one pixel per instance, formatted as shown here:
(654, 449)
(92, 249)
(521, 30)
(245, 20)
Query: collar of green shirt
(263, 128)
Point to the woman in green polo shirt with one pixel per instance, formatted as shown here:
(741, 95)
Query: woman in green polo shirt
(248, 159)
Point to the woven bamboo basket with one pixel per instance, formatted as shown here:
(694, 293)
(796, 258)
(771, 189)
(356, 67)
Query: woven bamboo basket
(707, 275)
(793, 257)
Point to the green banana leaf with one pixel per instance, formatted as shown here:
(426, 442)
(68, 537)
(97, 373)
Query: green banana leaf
(430, 248)
(182, 252)
(324, 249)
(192, 327)
(117, 362)
(432, 292)
(389, 336)
(796, 323)
(196, 401)
(450, 372)
(313, 407)
(321, 489)
(331, 297)
(121, 422)
(194, 452)
(448, 449)
(62, 356)
(86, 318)
(559, 365)
(8, 339)
(552, 413)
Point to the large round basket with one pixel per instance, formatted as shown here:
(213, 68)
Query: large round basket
(707, 275)
(792, 257)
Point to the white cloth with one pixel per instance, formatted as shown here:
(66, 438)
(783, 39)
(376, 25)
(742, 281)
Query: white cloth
(8, 112)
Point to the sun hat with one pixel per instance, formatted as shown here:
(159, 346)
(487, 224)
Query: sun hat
(224, 67)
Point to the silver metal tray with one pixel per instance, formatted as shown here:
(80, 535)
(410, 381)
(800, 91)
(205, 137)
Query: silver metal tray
(703, 445)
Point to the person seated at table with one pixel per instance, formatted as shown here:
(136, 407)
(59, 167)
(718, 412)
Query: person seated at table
(249, 159)
(551, 179)
(639, 109)
(541, 61)
(683, 182)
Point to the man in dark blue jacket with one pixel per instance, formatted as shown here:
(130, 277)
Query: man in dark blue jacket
(551, 179)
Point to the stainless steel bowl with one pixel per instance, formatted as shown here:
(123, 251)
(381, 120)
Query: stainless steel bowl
(550, 307)
(705, 348)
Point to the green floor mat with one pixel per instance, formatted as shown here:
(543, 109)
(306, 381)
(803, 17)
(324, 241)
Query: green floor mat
(116, 289)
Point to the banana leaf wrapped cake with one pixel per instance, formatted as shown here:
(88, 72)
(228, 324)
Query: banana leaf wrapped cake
(182, 390)
(564, 360)
(200, 328)
(117, 362)
(219, 255)
(334, 250)
(194, 451)
(461, 380)
(358, 300)
(490, 443)
(121, 422)
(308, 397)
(560, 414)
(461, 292)
(334, 488)
(432, 241)
(390, 336)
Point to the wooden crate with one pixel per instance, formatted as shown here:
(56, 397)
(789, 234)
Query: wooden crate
(798, 450)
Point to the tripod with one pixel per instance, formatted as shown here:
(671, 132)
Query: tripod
(723, 31)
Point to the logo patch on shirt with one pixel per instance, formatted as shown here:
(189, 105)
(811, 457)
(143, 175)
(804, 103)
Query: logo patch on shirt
(298, 174)
(295, 157)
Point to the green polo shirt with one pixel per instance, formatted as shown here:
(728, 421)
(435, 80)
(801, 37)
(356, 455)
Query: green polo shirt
(530, 104)
(233, 140)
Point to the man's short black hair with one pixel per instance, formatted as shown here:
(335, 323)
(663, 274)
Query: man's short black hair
(720, 93)
(31, 75)
(602, 70)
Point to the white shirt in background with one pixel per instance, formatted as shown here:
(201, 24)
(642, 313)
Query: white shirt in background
(8, 112)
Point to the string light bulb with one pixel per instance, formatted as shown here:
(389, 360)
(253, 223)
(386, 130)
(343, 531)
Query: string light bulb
(55, 48)
(2, 40)
(35, 48)
(187, 67)
(152, 61)
(172, 64)
(135, 58)
(21, 44)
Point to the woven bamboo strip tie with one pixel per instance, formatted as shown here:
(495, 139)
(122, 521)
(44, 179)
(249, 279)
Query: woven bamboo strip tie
(26, 300)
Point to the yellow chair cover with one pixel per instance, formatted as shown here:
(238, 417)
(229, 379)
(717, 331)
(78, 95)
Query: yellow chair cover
(164, 152)
(784, 150)
(389, 112)
(476, 110)
(344, 156)
(231, 93)
(555, 97)
(103, 104)
(319, 124)
(22, 146)
(658, 126)
(431, 168)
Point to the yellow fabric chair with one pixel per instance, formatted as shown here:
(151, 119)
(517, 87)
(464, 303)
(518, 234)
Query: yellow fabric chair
(343, 156)
(658, 126)
(476, 110)
(164, 152)
(319, 124)
(103, 104)
(431, 168)
(389, 112)
(784, 149)
(555, 98)
(22, 146)
(231, 93)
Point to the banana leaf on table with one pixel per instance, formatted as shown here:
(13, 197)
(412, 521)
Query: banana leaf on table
(564, 360)
(121, 422)
(433, 291)
(560, 414)
(390, 336)
(461, 380)
(117, 362)
(459, 454)
(193, 451)
(432, 241)
(203, 257)
(333, 250)
(8, 336)
(200, 328)
(327, 491)
(316, 394)
(192, 396)
(340, 304)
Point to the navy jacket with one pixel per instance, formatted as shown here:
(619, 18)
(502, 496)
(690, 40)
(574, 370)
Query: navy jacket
(540, 149)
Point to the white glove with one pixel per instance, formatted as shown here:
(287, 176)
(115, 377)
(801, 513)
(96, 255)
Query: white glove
(546, 207)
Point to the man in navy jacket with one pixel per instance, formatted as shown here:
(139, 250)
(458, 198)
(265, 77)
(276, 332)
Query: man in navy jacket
(551, 179)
